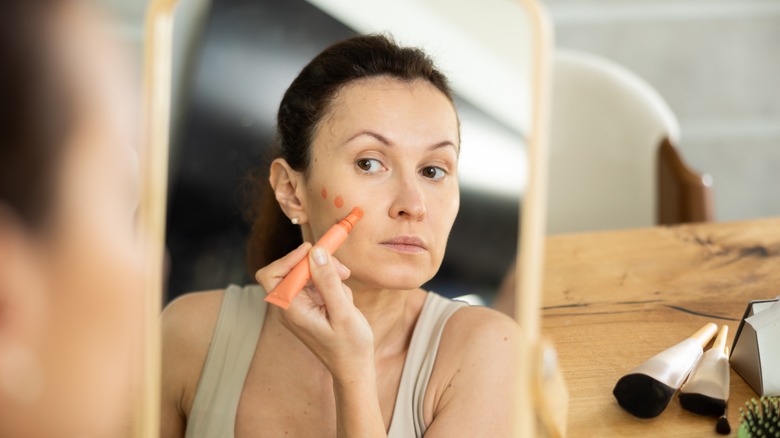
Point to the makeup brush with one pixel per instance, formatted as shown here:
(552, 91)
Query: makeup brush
(722, 426)
(707, 388)
(647, 389)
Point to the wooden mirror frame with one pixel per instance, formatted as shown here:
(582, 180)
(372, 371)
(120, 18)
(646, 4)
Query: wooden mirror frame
(541, 400)
(533, 408)
(158, 60)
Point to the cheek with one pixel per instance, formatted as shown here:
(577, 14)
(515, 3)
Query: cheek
(97, 314)
(443, 207)
(329, 202)
(331, 196)
(104, 265)
(451, 208)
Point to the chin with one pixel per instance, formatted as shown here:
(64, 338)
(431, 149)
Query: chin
(395, 278)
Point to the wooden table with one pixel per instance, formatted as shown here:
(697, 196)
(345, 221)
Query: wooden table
(614, 299)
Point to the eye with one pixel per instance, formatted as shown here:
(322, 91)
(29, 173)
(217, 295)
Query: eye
(369, 165)
(433, 172)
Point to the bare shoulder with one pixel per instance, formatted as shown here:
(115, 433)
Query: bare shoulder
(475, 371)
(188, 324)
(480, 327)
(191, 313)
(477, 340)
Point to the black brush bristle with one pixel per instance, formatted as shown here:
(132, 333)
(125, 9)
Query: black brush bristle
(760, 418)
(642, 396)
(723, 427)
(702, 404)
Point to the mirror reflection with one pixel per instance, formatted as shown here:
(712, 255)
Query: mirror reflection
(288, 116)
(233, 70)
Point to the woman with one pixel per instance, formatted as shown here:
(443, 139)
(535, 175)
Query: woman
(69, 301)
(362, 351)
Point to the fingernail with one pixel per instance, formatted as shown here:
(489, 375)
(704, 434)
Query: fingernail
(320, 256)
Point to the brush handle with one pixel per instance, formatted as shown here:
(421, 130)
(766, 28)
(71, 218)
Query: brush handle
(705, 334)
(720, 341)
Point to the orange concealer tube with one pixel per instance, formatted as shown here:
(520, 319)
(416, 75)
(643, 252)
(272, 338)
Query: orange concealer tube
(284, 292)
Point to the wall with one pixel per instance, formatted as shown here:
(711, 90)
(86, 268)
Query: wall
(717, 63)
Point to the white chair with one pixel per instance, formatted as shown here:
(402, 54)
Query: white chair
(606, 128)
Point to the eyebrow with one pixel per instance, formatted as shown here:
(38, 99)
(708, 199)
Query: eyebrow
(386, 142)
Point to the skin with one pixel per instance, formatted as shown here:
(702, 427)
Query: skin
(69, 291)
(390, 147)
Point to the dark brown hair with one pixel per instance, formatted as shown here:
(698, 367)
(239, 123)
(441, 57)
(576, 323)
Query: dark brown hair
(34, 110)
(304, 105)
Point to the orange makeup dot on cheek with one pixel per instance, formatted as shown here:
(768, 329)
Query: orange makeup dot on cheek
(338, 202)
(324, 193)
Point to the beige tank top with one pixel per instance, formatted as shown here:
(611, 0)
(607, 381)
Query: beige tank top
(241, 317)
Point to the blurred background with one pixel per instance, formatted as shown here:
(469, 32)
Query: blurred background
(708, 69)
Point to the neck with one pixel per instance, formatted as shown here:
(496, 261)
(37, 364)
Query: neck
(386, 313)
(389, 314)
(392, 315)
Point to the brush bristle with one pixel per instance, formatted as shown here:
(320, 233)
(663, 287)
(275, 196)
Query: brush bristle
(702, 404)
(760, 418)
(642, 396)
(723, 427)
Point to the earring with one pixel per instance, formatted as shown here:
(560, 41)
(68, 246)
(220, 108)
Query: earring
(295, 220)
(21, 375)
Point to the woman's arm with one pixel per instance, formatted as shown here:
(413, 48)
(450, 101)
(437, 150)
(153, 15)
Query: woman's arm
(188, 325)
(326, 320)
(480, 349)
(357, 407)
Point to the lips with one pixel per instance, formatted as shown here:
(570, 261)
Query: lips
(405, 244)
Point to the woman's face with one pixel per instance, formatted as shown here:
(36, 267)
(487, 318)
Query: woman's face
(391, 148)
(82, 290)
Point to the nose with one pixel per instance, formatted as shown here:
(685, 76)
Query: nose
(409, 202)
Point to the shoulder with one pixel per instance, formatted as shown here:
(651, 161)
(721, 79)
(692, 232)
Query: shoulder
(189, 312)
(476, 365)
(472, 331)
(187, 324)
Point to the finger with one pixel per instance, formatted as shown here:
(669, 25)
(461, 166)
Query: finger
(271, 275)
(343, 271)
(348, 293)
(315, 295)
(326, 279)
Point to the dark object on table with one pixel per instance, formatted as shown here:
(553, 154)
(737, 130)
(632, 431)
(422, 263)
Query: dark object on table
(723, 427)
(642, 395)
(647, 389)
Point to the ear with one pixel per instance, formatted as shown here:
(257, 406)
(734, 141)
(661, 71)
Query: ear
(22, 308)
(19, 272)
(287, 184)
(10, 255)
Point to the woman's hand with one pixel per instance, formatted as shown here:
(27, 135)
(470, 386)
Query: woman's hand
(323, 316)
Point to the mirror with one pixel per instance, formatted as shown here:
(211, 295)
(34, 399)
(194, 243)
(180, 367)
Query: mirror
(230, 83)
(231, 61)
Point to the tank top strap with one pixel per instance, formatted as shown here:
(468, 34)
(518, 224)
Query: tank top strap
(232, 348)
(408, 417)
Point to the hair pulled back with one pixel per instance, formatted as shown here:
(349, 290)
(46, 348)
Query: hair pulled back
(304, 105)
(35, 108)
